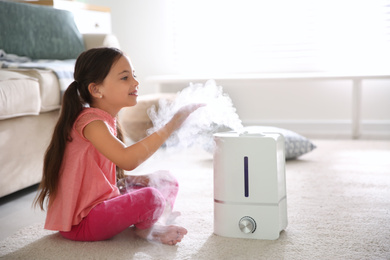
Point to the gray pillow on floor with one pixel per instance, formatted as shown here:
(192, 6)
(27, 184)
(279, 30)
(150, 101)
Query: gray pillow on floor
(295, 144)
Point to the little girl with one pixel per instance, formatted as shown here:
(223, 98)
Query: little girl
(85, 154)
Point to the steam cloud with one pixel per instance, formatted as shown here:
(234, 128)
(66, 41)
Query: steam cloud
(218, 115)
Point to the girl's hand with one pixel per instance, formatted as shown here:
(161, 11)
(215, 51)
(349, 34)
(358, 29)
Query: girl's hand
(132, 182)
(183, 113)
(138, 180)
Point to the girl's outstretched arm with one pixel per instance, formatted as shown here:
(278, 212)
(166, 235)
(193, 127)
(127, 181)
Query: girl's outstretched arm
(128, 158)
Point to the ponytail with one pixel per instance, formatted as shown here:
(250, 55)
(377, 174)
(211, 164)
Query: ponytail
(71, 107)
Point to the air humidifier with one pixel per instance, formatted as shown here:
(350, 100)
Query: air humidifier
(249, 184)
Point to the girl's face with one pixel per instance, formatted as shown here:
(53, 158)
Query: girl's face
(119, 89)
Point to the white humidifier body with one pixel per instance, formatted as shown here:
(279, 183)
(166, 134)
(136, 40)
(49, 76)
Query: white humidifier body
(249, 185)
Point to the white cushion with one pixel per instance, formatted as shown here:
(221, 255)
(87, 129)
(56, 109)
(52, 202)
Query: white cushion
(49, 87)
(19, 95)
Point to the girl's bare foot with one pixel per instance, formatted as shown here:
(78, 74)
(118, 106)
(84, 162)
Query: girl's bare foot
(169, 235)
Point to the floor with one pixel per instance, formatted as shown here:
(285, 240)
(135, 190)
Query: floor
(16, 212)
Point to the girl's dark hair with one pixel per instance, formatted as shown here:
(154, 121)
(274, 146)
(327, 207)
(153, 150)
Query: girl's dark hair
(92, 66)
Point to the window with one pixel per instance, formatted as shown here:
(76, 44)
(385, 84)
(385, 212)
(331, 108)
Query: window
(263, 36)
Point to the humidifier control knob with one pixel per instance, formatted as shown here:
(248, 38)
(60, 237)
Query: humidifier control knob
(247, 225)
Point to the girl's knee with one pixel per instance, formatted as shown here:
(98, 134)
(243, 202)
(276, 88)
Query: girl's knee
(153, 196)
(153, 205)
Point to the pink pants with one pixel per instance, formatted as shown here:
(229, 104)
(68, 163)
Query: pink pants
(140, 207)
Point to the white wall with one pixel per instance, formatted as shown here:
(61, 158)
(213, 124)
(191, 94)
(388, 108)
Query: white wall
(310, 107)
(140, 28)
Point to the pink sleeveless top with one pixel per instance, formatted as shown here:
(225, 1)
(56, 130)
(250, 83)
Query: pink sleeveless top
(86, 176)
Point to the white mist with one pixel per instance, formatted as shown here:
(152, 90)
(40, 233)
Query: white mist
(218, 115)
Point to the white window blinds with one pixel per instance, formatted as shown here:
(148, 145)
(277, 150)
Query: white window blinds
(257, 36)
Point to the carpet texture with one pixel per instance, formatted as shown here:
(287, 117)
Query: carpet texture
(338, 199)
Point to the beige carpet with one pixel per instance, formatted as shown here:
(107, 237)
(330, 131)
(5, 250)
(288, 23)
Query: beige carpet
(338, 199)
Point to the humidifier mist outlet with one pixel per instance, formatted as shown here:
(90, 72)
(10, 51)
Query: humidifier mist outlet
(249, 185)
